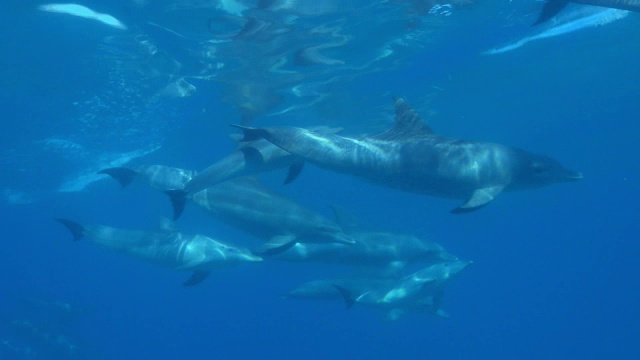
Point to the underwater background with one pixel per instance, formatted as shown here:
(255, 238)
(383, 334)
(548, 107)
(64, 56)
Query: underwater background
(554, 271)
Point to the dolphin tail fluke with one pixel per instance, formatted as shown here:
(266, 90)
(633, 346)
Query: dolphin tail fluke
(251, 134)
(76, 229)
(346, 294)
(277, 245)
(294, 171)
(123, 175)
(551, 8)
(196, 278)
(178, 200)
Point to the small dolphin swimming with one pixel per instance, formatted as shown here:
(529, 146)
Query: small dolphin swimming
(167, 247)
(580, 18)
(411, 157)
(83, 12)
(553, 7)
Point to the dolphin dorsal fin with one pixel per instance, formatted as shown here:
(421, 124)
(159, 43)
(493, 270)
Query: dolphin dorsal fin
(408, 124)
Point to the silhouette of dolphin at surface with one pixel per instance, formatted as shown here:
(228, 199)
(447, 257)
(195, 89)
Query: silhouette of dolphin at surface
(411, 157)
(553, 7)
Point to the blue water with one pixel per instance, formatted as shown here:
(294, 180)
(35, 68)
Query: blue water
(555, 269)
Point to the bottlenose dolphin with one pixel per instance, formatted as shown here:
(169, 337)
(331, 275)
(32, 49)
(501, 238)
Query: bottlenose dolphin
(580, 18)
(553, 7)
(411, 157)
(250, 206)
(158, 176)
(251, 158)
(169, 248)
(409, 292)
(371, 248)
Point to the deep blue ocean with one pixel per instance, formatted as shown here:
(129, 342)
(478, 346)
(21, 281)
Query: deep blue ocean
(554, 271)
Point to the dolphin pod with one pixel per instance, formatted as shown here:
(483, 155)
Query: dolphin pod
(404, 274)
(411, 157)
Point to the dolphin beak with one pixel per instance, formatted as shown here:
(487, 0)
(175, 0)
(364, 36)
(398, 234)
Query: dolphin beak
(575, 176)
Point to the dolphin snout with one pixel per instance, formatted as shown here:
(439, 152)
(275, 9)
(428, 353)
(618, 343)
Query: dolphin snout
(574, 176)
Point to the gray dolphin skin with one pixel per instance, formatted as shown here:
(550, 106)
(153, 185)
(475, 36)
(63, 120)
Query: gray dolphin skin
(553, 7)
(158, 176)
(248, 205)
(169, 248)
(420, 290)
(371, 248)
(411, 157)
(251, 158)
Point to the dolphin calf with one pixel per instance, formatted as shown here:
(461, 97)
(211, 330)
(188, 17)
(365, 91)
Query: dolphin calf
(423, 287)
(553, 7)
(411, 157)
(169, 248)
(158, 176)
(250, 206)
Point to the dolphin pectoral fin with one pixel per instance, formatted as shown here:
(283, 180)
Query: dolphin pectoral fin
(252, 157)
(551, 8)
(178, 200)
(251, 134)
(478, 199)
(346, 294)
(76, 229)
(196, 278)
(123, 175)
(277, 245)
(294, 171)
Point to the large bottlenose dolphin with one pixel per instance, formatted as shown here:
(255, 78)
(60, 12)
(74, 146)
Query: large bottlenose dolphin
(411, 157)
(410, 291)
(553, 7)
(160, 177)
(198, 253)
(250, 206)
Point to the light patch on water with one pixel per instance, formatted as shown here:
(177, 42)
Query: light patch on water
(83, 12)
